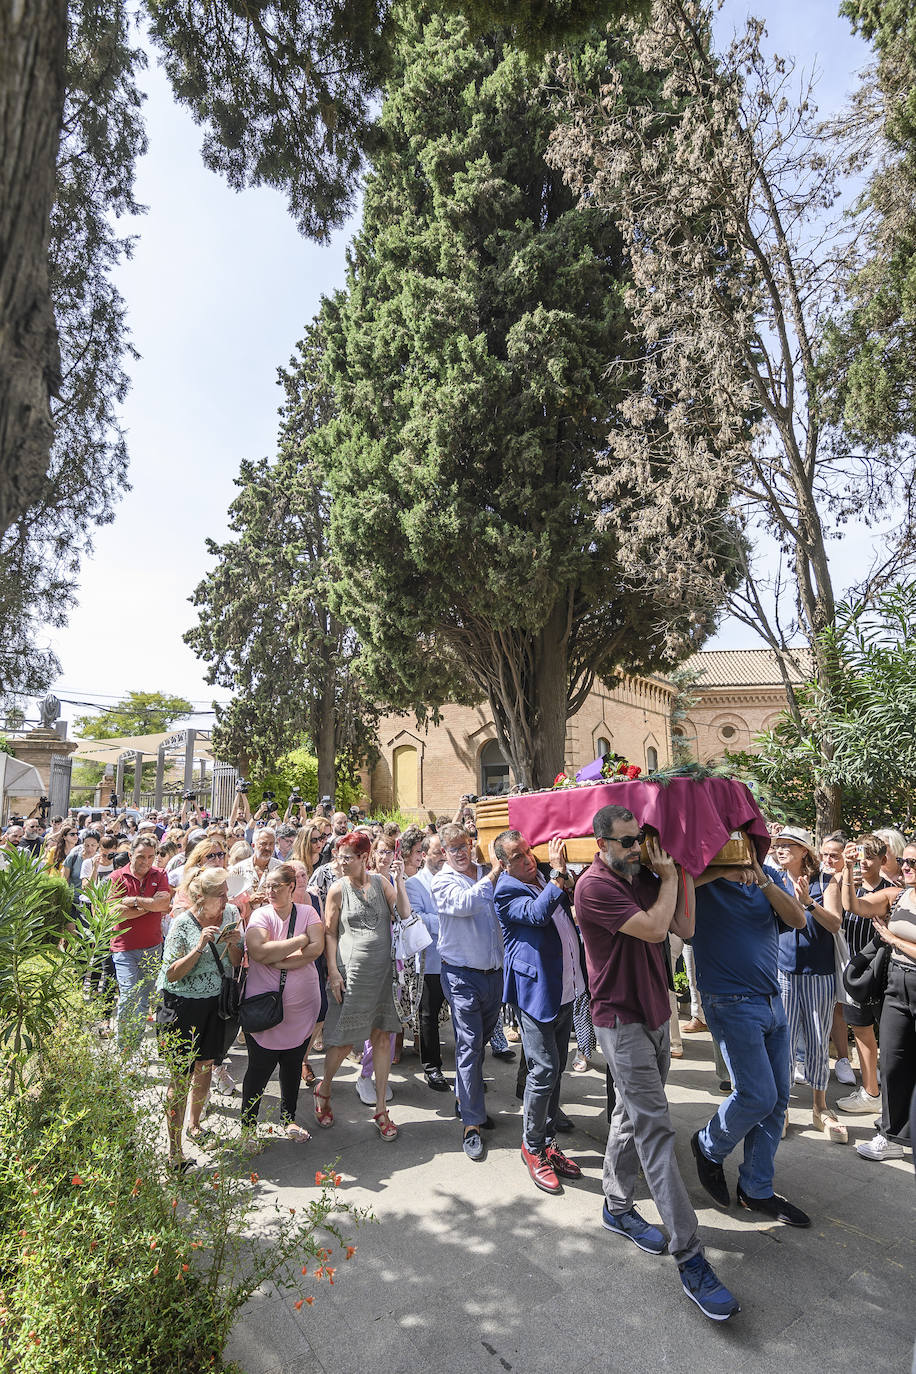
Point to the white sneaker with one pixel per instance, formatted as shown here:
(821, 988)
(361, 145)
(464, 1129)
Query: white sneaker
(799, 1075)
(223, 1080)
(879, 1147)
(844, 1071)
(860, 1101)
(365, 1091)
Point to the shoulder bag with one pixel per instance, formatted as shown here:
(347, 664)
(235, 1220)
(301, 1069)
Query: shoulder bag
(865, 977)
(265, 1009)
(410, 937)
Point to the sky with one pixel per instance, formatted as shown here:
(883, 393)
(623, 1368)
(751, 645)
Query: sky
(218, 292)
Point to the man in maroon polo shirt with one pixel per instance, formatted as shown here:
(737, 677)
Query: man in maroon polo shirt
(625, 913)
(144, 894)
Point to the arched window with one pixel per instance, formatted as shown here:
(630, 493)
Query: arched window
(603, 746)
(494, 771)
(651, 759)
(404, 769)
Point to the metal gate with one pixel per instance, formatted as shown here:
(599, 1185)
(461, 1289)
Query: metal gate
(59, 784)
(222, 788)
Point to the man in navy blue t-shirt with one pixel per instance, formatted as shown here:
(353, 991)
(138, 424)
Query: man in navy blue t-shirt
(739, 914)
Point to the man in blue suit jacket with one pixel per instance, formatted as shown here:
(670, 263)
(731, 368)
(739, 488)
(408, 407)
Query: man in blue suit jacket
(544, 973)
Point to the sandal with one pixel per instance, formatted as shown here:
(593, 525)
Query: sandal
(833, 1129)
(308, 1075)
(580, 1064)
(297, 1133)
(201, 1135)
(385, 1126)
(323, 1115)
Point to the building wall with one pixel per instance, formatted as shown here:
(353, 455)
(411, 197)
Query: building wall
(729, 718)
(445, 758)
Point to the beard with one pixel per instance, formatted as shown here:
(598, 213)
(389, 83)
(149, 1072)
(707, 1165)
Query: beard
(626, 867)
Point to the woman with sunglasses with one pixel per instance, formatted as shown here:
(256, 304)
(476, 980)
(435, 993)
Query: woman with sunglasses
(284, 936)
(206, 854)
(893, 915)
(358, 915)
(807, 970)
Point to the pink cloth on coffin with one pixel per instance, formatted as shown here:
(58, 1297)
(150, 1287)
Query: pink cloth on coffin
(694, 819)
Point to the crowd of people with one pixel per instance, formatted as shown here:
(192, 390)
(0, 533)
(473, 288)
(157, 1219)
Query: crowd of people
(313, 923)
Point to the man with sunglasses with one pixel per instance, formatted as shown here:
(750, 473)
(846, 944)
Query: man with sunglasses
(625, 911)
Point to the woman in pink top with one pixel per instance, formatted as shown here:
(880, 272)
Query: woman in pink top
(272, 950)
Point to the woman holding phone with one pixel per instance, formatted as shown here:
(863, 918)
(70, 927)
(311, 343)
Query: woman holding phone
(203, 943)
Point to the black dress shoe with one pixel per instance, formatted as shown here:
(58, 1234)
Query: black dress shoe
(711, 1176)
(562, 1123)
(508, 1055)
(436, 1081)
(774, 1206)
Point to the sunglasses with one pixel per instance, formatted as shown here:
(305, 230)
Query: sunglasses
(626, 841)
(217, 854)
(908, 863)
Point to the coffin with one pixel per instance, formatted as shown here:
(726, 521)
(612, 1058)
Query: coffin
(701, 822)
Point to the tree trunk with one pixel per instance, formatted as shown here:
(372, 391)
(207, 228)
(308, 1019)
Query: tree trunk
(33, 55)
(531, 723)
(324, 742)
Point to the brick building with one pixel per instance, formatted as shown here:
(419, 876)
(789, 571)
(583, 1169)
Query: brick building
(425, 770)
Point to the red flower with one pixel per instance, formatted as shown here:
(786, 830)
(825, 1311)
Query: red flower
(310, 1301)
(319, 1178)
(351, 1251)
(633, 771)
(255, 1177)
(136, 1188)
(559, 780)
(298, 1304)
(76, 1181)
(337, 1180)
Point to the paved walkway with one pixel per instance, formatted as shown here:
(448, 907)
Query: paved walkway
(471, 1269)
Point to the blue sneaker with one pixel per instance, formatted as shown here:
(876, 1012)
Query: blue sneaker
(473, 1146)
(703, 1287)
(635, 1228)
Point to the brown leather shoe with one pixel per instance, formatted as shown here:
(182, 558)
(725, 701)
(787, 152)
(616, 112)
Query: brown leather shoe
(560, 1163)
(694, 1026)
(542, 1175)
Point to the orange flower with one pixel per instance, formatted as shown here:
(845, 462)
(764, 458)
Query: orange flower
(310, 1301)
(298, 1304)
(184, 1268)
(337, 1180)
(136, 1188)
(155, 1271)
(292, 1211)
(76, 1181)
(319, 1273)
(319, 1178)
(330, 1272)
(174, 1202)
(255, 1177)
(152, 1244)
(351, 1251)
(305, 1268)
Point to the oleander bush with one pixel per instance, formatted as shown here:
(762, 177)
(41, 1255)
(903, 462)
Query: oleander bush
(109, 1260)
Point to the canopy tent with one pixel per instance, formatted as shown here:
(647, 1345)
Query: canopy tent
(110, 750)
(18, 779)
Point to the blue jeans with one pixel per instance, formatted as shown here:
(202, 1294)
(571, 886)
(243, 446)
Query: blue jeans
(752, 1033)
(136, 971)
(475, 999)
(546, 1046)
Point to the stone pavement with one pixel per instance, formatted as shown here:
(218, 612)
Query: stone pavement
(471, 1269)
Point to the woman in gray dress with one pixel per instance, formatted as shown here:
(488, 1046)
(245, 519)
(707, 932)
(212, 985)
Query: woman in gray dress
(358, 913)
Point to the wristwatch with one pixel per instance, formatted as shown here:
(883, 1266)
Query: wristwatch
(558, 875)
(809, 906)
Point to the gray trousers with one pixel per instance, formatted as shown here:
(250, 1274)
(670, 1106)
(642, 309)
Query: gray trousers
(641, 1133)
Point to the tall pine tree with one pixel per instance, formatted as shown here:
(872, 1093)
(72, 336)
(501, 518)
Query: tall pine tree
(469, 357)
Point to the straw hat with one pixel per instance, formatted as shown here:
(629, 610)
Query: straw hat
(796, 835)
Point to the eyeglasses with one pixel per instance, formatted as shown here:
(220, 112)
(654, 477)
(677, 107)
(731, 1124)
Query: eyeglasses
(908, 863)
(626, 841)
(456, 850)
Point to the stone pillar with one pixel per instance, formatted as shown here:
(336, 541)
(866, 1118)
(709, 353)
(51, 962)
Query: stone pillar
(160, 774)
(190, 738)
(37, 748)
(119, 780)
(138, 775)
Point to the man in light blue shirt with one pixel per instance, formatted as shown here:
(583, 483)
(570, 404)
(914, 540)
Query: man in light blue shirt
(471, 949)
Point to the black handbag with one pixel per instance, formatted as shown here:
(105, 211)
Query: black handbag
(230, 990)
(265, 1009)
(866, 974)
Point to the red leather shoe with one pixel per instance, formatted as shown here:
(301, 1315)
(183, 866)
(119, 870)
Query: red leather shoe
(542, 1175)
(560, 1163)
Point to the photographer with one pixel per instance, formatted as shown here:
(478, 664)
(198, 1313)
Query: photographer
(241, 806)
(340, 825)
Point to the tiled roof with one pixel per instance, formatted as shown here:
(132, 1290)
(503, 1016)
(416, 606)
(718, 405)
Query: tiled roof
(744, 667)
